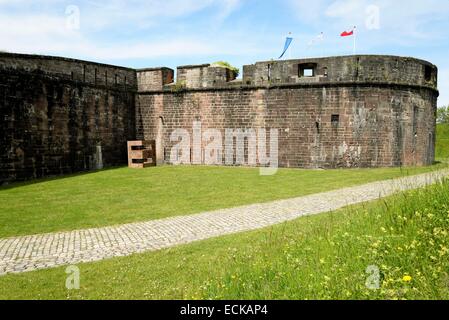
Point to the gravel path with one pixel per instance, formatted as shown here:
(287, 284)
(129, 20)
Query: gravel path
(29, 253)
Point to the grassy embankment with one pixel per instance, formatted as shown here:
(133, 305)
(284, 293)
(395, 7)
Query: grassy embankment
(318, 257)
(125, 195)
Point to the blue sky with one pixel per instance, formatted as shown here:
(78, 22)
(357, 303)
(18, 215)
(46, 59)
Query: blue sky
(168, 33)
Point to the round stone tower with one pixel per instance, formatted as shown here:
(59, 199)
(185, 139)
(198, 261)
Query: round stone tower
(336, 112)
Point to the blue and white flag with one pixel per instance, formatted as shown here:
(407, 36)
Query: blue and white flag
(288, 42)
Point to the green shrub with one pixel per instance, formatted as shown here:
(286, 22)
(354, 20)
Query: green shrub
(227, 65)
(178, 86)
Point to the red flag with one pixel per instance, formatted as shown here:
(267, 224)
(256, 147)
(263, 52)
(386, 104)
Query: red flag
(347, 33)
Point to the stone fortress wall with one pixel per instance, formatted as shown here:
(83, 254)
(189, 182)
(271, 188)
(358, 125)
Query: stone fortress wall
(59, 116)
(337, 112)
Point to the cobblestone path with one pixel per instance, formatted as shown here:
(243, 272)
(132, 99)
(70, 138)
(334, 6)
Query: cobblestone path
(29, 253)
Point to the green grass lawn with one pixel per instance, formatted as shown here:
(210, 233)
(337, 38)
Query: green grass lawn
(442, 144)
(318, 257)
(125, 195)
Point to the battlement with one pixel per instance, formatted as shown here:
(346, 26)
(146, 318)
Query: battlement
(330, 70)
(154, 78)
(359, 68)
(374, 69)
(188, 77)
(72, 70)
(60, 115)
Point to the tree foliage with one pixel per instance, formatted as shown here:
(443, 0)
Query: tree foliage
(443, 115)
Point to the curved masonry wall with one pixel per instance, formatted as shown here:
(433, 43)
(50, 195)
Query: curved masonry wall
(376, 124)
(356, 111)
(57, 115)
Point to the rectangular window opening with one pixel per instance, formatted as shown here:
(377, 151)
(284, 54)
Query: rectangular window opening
(307, 70)
(335, 120)
(428, 73)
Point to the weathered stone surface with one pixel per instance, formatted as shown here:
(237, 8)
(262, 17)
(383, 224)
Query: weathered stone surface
(55, 113)
(358, 111)
(354, 111)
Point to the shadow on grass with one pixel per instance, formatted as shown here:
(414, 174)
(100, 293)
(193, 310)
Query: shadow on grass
(439, 164)
(19, 184)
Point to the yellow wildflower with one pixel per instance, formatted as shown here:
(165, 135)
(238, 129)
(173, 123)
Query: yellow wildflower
(407, 278)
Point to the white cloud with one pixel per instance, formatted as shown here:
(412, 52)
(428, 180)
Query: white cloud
(409, 19)
(308, 11)
(53, 38)
(28, 31)
(146, 14)
(102, 14)
(227, 7)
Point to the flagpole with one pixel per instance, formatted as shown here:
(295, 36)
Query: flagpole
(290, 48)
(322, 44)
(355, 39)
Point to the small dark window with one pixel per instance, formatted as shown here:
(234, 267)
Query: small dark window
(269, 72)
(73, 76)
(415, 121)
(428, 73)
(317, 125)
(335, 120)
(84, 73)
(307, 69)
(106, 77)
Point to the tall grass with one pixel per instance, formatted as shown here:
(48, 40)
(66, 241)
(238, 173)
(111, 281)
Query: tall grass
(403, 241)
(442, 143)
(325, 256)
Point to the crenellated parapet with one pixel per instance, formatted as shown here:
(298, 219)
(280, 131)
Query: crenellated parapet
(70, 70)
(351, 69)
(60, 115)
(363, 69)
(151, 79)
(201, 76)
(337, 112)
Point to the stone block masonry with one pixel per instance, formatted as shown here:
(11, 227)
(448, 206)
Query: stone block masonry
(338, 112)
(59, 116)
